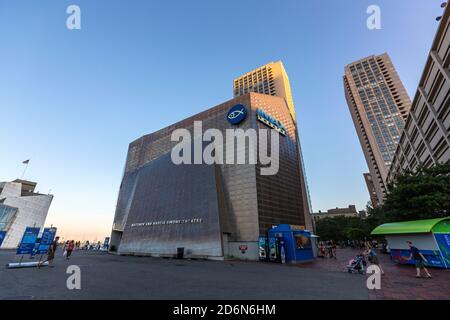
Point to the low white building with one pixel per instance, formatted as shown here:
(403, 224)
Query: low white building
(21, 207)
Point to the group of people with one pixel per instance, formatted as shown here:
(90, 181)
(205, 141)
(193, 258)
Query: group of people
(50, 254)
(69, 247)
(91, 246)
(358, 244)
(328, 249)
(415, 254)
(370, 254)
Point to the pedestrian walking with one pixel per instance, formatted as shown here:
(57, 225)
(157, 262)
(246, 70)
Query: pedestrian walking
(69, 249)
(329, 249)
(65, 248)
(333, 249)
(322, 250)
(372, 256)
(50, 254)
(419, 258)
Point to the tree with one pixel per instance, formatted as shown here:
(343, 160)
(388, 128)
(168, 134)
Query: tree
(342, 228)
(356, 234)
(423, 194)
(328, 228)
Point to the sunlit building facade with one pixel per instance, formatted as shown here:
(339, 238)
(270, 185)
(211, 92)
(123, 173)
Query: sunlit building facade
(272, 79)
(211, 210)
(371, 188)
(21, 207)
(426, 138)
(379, 106)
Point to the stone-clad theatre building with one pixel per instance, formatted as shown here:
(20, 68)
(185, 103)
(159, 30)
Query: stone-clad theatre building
(211, 211)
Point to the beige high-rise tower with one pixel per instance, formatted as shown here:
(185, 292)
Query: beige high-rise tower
(269, 79)
(379, 106)
(272, 79)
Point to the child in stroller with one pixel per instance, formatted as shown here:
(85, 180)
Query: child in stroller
(357, 264)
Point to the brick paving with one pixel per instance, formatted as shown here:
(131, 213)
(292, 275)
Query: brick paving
(398, 282)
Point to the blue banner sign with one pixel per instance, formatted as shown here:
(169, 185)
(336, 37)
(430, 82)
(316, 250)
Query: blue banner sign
(28, 241)
(46, 240)
(434, 258)
(2, 237)
(443, 241)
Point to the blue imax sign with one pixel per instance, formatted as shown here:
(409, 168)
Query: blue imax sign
(270, 121)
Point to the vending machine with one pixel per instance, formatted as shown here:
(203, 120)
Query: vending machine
(282, 251)
(272, 249)
(277, 250)
(263, 249)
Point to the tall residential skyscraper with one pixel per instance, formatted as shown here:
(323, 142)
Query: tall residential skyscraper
(379, 106)
(371, 187)
(272, 79)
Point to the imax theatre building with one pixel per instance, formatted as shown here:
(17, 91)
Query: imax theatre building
(212, 210)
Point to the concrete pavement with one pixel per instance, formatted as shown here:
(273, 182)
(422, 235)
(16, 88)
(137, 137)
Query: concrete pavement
(105, 276)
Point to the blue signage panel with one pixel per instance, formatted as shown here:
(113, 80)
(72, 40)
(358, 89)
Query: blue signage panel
(2, 237)
(46, 240)
(434, 258)
(271, 121)
(443, 241)
(36, 247)
(237, 114)
(28, 241)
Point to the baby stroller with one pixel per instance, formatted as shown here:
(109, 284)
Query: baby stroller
(357, 265)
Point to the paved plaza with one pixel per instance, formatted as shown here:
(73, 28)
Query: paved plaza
(106, 276)
(398, 282)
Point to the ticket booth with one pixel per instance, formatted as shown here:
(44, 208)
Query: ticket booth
(289, 243)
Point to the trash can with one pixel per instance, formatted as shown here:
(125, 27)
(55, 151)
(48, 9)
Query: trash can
(180, 253)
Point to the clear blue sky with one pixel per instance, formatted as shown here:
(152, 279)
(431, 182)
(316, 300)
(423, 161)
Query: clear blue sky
(72, 101)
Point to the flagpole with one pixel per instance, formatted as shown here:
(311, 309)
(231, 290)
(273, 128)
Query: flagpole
(24, 170)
